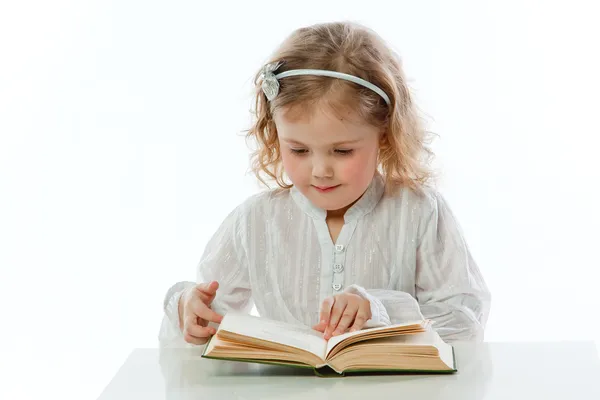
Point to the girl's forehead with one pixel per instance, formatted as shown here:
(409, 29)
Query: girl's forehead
(321, 126)
(323, 113)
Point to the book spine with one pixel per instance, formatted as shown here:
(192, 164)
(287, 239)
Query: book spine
(327, 372)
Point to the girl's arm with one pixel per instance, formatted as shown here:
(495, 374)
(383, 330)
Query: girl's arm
(222, 261)
(449, 287)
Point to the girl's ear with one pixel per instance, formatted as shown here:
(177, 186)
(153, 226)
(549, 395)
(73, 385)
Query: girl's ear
(383, 144)
(383, 139)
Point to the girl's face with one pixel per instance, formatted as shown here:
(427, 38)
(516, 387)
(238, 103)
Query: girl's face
(331, 160)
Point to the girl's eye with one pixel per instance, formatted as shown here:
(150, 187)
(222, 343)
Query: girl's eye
(299, 151)
(338, 151)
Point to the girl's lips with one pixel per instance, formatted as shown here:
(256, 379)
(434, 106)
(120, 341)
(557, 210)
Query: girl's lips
(325, 189)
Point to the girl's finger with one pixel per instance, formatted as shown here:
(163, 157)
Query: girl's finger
(193, 328)
(336, 314)
(207, 291)
(194, 333)
(362, 316)
(209, 315)
(324, 314)
(346, 320)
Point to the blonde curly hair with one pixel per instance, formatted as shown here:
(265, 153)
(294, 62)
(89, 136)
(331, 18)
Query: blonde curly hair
(353, 49)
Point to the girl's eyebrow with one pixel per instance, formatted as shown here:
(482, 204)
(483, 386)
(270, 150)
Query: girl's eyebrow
(292, 141)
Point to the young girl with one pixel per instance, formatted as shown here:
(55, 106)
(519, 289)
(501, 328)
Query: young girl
(354, 237)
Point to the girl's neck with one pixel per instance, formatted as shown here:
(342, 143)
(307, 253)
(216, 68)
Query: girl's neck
(339, 214)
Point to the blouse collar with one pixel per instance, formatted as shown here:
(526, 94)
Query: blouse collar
(364, 205)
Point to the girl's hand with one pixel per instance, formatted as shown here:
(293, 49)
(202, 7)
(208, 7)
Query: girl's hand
(195, 313)
(343, 313)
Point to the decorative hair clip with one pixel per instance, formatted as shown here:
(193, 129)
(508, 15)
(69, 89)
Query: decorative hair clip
(270, 81)
(270, 84)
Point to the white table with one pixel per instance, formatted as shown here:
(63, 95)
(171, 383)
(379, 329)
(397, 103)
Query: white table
(545, 371)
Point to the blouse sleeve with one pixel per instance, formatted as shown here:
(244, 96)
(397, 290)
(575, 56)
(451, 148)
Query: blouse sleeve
(449, 288)
(223, 261)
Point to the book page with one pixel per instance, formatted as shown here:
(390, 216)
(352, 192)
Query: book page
(445, 349)
(427, 338)
(373, 331)
(298, 336)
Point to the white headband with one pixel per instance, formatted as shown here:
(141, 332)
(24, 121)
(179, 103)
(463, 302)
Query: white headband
(270, 81)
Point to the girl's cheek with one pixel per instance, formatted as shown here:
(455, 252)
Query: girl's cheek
(290, 166)
(359, 166)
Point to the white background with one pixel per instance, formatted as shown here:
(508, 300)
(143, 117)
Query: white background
(121, 150)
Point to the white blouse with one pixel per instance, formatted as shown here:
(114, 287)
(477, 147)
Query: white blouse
(403, 251)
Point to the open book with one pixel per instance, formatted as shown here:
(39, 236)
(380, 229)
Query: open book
(410, 347)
